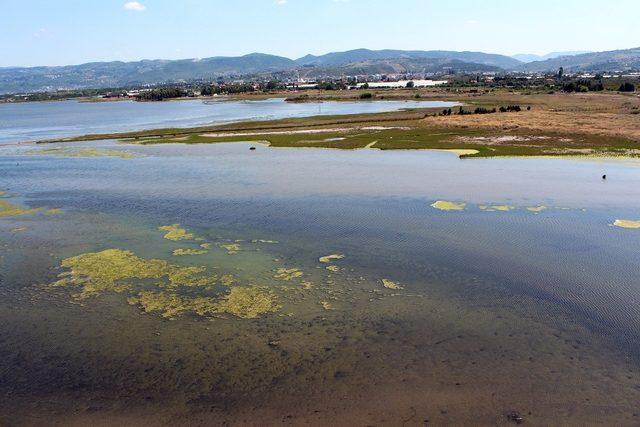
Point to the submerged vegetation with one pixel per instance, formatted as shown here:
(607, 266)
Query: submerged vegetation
(626, 223)
(444, 205)
(175, 232)
(82, 152)
(157, 285)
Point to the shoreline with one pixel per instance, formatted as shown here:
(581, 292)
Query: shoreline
(595, 125)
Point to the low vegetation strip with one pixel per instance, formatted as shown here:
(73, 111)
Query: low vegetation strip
(487, 125)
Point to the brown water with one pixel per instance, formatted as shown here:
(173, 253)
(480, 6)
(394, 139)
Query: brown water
(498, 311)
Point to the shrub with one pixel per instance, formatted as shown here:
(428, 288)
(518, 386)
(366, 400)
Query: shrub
(627, 87)
(366, 95)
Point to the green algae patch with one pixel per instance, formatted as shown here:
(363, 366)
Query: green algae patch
(115, 269)
(231, 248)
(333, 268)
(330, 258)
(493, 208)
(227, 280)
(189, 276)
(9, 209)
(53, 211)
(175, 232)
(167, 304)
(108, 271)
(287, 274)
(444, 205)
(536, 209)
(187, 251)
(327, 305)
(205, 245)
(389, 284)
(247, 302)
(626, 223)
(82, 152)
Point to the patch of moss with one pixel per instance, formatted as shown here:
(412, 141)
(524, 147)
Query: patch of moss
(175, 232)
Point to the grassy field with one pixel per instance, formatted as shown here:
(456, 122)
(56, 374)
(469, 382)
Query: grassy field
(596, 124)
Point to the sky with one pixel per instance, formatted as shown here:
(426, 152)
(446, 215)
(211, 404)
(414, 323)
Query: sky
(64, 32)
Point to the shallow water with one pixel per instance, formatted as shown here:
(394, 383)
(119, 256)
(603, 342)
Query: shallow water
(500, 309)
(43, 120)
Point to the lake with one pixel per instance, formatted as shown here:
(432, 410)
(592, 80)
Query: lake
(42, 120)
(214, 285)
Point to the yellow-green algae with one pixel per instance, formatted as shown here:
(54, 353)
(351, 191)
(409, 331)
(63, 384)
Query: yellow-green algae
(536, 209)
(175, 232)
(326, 305)
(231, 248)
(227, 280)
(9, 209)
(492, 208)
(444, 205)
(389, 284)
(113, 270)
(333, 268)
(247, 302)
(329, 258)
(188, 251)
(82, 152)
(627, 223)
(287, 274)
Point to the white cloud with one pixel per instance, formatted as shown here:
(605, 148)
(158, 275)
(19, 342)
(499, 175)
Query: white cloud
(472, 22)
(135, 6)
(281, 2)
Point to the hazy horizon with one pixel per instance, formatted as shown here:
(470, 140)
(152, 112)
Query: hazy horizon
(69, 32)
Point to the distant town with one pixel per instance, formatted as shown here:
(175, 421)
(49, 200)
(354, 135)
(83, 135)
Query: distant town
(225, 86)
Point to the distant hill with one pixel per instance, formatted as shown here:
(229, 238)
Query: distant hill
(360, 55)
(352, 62)
(360, 61)
(397, 66)
(609, 61)
(119, 74)
(527, 57)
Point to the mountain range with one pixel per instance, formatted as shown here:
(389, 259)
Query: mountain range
(528, 57)
(352, 62)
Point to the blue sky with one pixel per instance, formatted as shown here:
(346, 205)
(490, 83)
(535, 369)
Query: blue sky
(59, 32)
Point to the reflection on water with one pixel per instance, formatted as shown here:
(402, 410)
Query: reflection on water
(212, 284)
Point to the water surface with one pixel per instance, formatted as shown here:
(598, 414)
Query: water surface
(497, 311)
(43, 120)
